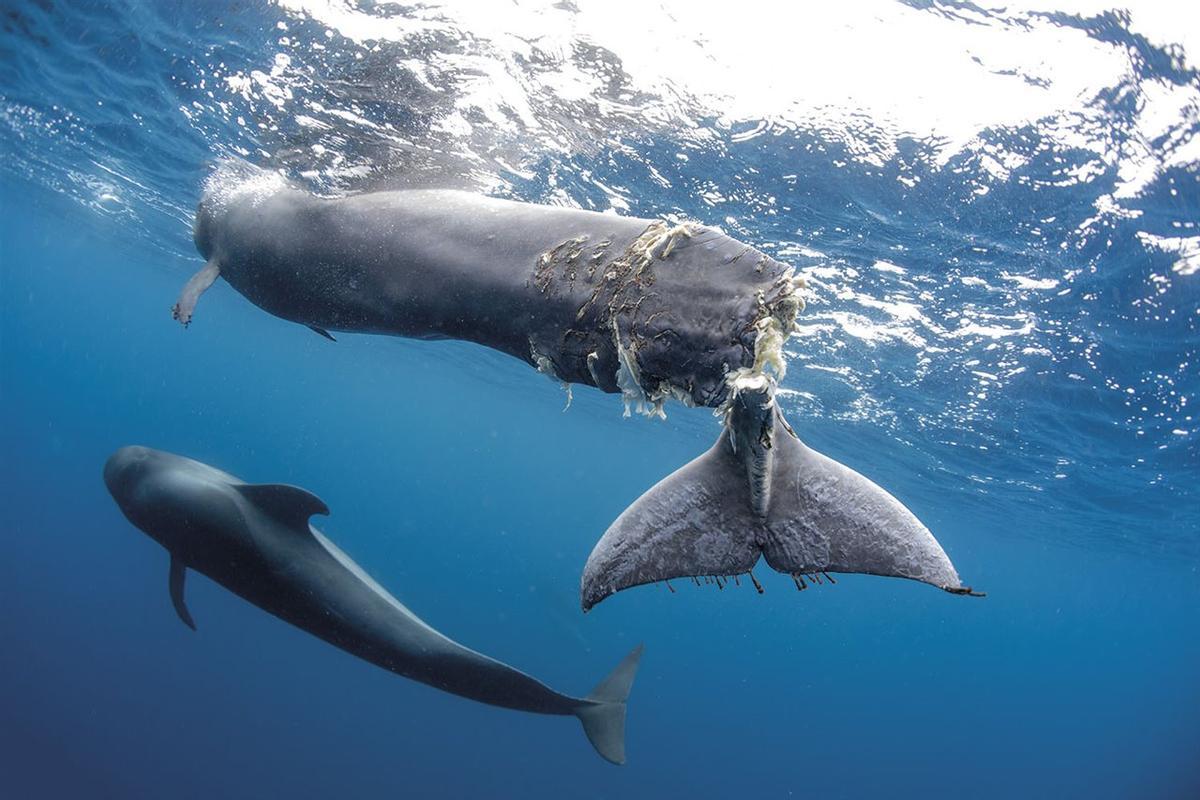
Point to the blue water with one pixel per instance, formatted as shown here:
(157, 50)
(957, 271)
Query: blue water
(1003, 329)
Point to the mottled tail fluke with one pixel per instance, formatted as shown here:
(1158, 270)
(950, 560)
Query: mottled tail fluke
(760, 492)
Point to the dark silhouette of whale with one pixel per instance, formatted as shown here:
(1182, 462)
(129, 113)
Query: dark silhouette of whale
(256, 541)
(648, 309)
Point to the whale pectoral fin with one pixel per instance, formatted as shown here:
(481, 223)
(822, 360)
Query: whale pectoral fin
(291, 506)
(322, 332)
(178, 573)
(695, 522)
(819, 516)
(185, 306)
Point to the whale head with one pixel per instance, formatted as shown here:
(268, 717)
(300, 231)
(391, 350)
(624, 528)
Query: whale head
(233, 183)
(178, 502)
(125, 470)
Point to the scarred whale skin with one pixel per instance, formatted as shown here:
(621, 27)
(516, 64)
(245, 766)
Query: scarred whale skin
(652, 310)
(565, 290)
(256, 541)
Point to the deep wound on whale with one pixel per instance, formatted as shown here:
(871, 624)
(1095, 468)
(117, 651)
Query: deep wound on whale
(645, 308)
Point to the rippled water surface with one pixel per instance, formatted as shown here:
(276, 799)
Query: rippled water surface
(996, 206)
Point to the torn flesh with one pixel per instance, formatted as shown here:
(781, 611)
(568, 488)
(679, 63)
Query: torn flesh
(774, 322)
(544, 365)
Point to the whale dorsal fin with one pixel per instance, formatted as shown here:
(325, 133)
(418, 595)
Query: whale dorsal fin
(177, 575)
(291, 506)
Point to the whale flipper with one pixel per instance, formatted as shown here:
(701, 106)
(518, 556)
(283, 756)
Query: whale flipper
(178, 573)
(289, 505)
(185, 306)
(322, 332)
(602, 712)
(772, 496)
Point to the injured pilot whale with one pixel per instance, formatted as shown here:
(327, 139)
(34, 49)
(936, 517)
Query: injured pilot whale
(651, 310)
(256, 541)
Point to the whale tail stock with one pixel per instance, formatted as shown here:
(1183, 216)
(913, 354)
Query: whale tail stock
(602, 712)
(760, 492)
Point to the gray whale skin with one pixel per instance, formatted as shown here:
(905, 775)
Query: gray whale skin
(256, 541)
(632, 306)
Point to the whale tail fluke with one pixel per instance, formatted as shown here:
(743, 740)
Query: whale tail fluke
(603, 711)
(770, 497)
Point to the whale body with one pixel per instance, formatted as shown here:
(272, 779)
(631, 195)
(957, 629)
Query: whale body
(256, 541)
(627, 305)
(651, 310)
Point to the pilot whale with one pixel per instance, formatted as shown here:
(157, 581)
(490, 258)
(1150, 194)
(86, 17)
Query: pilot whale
(256, 541)
(649, 309)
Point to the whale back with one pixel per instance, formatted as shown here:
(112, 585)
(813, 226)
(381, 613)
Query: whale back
(650, 309)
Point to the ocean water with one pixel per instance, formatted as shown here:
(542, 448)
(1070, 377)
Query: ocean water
(996, 207)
